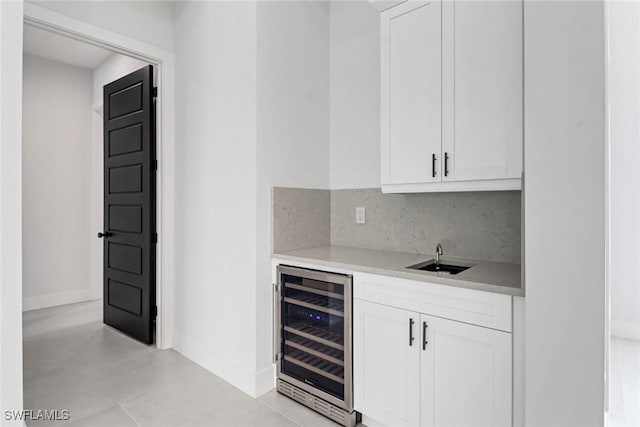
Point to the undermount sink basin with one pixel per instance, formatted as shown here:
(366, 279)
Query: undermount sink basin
(440, 268)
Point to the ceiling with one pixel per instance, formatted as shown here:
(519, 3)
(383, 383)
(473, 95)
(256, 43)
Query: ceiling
(54, 46)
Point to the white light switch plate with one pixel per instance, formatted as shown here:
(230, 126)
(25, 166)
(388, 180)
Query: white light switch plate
(360, 218)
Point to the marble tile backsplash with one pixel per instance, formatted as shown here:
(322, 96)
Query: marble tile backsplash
(478, 225)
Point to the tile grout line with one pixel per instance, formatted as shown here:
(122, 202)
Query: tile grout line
(128, 413)
(279, 412)
(115, 362)
(138, 354)
(131, 398)
(32, 336)
(59, 313)
(312, 413)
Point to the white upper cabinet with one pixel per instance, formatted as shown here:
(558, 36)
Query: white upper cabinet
(482, 53)
(412, 113)
(451, 86)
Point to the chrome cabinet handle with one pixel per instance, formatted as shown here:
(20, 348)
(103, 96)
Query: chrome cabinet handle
(411, 337)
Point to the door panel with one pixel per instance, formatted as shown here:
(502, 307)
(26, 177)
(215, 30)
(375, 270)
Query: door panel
(126, 101)
(386, 365)
(125, 257)
(125, 297)
(411, 93)
(125, 140)
(483, 103)
(464, 366)
(129, 204)
(125, 179)
(125, 218)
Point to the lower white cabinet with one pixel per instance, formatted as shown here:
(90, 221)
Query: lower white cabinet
(465, 374)
(386, 363)
(412, 369)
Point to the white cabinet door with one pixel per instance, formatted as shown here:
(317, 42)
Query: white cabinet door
(465, 374)
(482, 89)
(386, 364)
(411, 93)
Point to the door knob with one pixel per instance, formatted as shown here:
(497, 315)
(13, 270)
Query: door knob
(105, 234)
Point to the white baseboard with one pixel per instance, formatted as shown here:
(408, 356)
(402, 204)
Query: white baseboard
(55, 299)
(247, 380)
(625, 329)
(265, 380)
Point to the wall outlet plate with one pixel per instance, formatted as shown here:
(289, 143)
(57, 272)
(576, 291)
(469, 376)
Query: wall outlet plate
(360, 215)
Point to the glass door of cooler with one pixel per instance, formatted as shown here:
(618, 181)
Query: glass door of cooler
(314, 342)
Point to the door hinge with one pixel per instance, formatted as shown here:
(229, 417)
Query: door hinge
(155, 311)
(276, 287)
(155, 237)
(155, 92)
(155, 165)
(278, 356)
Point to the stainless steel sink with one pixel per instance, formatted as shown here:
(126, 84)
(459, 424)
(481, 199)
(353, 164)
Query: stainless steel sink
(442, 267)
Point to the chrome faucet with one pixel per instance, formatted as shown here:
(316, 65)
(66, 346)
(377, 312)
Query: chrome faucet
(438, 254)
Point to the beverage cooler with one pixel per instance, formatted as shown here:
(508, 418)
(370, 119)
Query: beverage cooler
(313, 341)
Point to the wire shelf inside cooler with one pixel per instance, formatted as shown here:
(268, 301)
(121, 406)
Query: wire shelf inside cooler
(315, 348)
(315, 364)
(317, 302)
(326, 336)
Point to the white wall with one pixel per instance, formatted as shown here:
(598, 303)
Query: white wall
(564, 202)
(293, 130)
(10, 208)
(114, 67)
(251, 114)
(215, 271)
(56, 202)
(355, 95)
(624, 110)
(148, 21)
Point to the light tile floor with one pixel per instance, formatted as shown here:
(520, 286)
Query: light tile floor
(624, 408)
(104, 378)
(72, 361)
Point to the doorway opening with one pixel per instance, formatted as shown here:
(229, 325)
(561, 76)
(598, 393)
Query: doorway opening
(63, 166)
(63, 209)
(622, 340)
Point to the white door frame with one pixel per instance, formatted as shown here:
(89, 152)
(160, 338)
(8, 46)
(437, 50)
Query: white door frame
(163, 61)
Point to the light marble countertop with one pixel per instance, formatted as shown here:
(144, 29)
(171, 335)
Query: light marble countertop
(499, 277)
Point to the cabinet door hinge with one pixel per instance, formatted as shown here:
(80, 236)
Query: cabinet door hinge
(155, 92)
(155, 237)
(155, 311)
